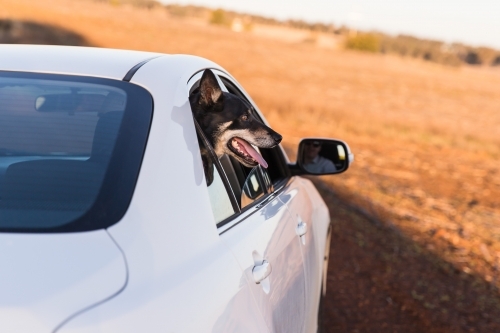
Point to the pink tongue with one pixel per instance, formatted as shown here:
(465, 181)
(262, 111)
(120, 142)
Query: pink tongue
(252, 152)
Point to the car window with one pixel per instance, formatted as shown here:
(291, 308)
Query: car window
(59, 136)
(218, 193)
(248, 185)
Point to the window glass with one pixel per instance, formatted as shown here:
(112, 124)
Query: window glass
(252, 188)
(267, 181)
(219, 199)
(58, 135)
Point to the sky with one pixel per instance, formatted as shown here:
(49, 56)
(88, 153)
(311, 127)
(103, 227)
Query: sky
(476, 23)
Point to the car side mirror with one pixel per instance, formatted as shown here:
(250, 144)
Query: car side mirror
(317, 156)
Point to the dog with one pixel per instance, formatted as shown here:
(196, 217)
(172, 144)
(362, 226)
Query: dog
(230, 126)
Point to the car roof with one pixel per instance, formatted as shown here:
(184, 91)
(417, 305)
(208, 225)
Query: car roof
(88, 61)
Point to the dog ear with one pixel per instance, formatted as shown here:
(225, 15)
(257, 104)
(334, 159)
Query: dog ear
(209, 88)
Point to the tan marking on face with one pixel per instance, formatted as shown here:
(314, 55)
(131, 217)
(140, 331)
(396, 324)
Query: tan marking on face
(220, 144)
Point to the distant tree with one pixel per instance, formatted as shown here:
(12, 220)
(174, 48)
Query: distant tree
(472, 58)
(496, 61)
(486, 55)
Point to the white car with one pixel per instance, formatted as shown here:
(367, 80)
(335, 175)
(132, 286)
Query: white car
(107, 223)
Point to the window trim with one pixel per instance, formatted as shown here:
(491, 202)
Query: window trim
(233, 220)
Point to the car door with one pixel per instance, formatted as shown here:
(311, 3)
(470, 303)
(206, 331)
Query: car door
(263, 239)
(302, 214)
(264, 236)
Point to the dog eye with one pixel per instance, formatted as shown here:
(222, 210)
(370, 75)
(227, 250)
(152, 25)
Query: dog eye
(244, 117)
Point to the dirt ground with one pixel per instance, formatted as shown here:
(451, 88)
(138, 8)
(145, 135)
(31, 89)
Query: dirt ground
(416, 243)
(379, 280)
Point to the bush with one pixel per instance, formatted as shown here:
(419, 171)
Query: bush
(219, 17)
(363, 42)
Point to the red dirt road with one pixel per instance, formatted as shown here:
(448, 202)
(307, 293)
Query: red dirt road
(381, 281)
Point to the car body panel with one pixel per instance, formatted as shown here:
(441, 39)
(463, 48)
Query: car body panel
(46, 278)
(183, 278)
(307, 206)
(74, 60)
(269, 235)
(266, 235)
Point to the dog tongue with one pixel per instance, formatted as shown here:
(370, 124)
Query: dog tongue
(252, 152)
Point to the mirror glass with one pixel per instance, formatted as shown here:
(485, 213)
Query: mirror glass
(322, 156)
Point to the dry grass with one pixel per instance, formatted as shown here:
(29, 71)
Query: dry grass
(426, 136)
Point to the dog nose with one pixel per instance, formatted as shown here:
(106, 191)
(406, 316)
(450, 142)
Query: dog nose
(277, 138)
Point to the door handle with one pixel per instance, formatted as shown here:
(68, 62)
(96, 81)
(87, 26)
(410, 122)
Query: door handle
(301, 230)
(262, 271)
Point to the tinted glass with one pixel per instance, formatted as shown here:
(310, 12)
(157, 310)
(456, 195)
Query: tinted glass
(252, 188)
(218, 194)
(219, 199)
(63, 143)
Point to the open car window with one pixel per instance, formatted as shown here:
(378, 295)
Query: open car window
(246, 186)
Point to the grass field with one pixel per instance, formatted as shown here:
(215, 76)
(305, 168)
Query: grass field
(426, 179)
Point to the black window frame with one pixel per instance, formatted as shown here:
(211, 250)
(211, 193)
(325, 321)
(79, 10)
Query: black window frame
(115, 194)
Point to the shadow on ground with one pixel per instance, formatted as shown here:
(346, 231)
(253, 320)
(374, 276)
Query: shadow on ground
(379, 280)
(27, 32)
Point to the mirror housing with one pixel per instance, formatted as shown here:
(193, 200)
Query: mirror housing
(320, 156)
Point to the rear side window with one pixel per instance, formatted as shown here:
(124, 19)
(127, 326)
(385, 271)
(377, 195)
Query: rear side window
(70, 150)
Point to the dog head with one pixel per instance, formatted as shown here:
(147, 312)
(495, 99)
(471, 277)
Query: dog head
(230, 123)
